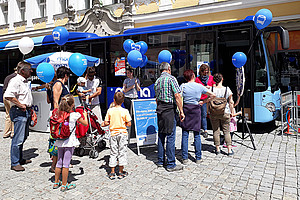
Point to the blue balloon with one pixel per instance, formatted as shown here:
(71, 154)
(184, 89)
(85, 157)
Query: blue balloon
(164, 56)
(143, 47)
(262, 18)
(144, 62)
(128, 45)
(191, 57)
(239, 59)
(134, 58)
(78, 63)
(60, 35)
(45, 72)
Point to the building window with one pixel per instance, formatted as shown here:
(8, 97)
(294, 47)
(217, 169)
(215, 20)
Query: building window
(42, 5)
(87, 4)
(5, 13)
(22, 10)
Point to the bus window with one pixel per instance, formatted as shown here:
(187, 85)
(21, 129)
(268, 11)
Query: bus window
(202, 50)
(261, 79)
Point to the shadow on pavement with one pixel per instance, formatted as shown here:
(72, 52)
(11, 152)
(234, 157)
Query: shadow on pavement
(71, 176)
(30, 153)
(105, 164)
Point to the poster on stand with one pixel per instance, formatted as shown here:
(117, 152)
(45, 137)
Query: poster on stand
(145, 121)
(120, 67)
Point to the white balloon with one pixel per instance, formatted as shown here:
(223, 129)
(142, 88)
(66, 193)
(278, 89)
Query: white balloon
(26, 45)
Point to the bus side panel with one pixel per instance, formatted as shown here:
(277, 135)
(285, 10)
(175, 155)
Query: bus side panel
(266, 106)
(145, 93)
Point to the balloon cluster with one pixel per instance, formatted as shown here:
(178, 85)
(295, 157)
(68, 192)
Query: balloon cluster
(136, 51)
(262, 19)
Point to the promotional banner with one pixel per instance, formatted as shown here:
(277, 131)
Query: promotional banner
(120, 67)
(145, 93)
(145, 120)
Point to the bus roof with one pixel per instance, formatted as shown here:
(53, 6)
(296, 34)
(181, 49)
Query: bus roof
(79, 36)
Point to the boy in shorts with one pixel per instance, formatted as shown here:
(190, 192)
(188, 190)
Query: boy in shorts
(118, 119)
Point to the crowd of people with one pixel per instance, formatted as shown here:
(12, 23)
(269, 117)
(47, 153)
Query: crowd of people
(185, 105)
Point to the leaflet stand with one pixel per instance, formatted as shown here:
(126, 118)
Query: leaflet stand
(244, 123)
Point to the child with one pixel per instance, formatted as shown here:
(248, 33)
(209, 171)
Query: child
(117, 118)
(66, 147)
(82, 90)
(232, 126)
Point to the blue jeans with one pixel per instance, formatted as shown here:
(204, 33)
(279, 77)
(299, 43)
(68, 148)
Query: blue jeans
(197, 143)
(21, 121)
(203, 117)
(170, 148)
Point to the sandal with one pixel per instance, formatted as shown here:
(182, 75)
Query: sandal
(57, 185)
(111, 176)
(67, 187)
(122, 174)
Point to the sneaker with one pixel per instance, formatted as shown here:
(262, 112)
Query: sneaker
(17, 168)
(205, 134)
(185, 161)
(176, 168)
(199, 161)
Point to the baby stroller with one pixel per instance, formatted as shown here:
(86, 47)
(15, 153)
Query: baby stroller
(91, 136)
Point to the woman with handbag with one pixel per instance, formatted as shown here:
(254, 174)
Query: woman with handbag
(220, 111)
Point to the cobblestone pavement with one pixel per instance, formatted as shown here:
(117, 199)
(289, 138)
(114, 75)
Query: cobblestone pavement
(270, 172)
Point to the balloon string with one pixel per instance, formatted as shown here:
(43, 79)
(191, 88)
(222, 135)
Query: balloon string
(257, 33)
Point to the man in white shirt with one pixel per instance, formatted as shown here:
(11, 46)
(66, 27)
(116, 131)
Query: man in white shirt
(18, 92)
(95, 84)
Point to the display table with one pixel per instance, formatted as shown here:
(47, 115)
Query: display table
(42, 109)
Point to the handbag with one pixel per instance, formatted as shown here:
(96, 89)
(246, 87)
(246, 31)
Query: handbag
(33, 117)
(217, 105)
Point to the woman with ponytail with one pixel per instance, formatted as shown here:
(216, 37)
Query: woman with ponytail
(221, 120)
(66, 147)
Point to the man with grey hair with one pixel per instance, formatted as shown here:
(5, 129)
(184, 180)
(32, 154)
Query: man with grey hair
(167, 92)
(18, 92)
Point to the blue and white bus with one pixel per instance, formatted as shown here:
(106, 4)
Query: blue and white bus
(191, 44)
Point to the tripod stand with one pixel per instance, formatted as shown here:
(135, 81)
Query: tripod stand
(245, 124)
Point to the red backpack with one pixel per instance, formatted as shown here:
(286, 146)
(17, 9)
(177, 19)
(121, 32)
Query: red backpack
(59, 125)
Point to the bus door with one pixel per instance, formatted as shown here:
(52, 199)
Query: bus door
(232, 40)
(98, 50)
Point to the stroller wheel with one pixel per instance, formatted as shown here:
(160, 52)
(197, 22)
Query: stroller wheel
(93, 154)
(80, 151)
(102, 144)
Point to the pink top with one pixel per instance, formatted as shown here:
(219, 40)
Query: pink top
(233, 124)
(209, 83)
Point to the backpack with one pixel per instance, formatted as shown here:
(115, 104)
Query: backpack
(217, 105)
(59, 125)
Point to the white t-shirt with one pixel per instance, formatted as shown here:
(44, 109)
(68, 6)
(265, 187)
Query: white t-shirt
(219, 92)
(19, 88)
(72, 141)
(94, 84)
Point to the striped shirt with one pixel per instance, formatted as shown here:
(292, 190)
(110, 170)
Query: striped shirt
(166, 86)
